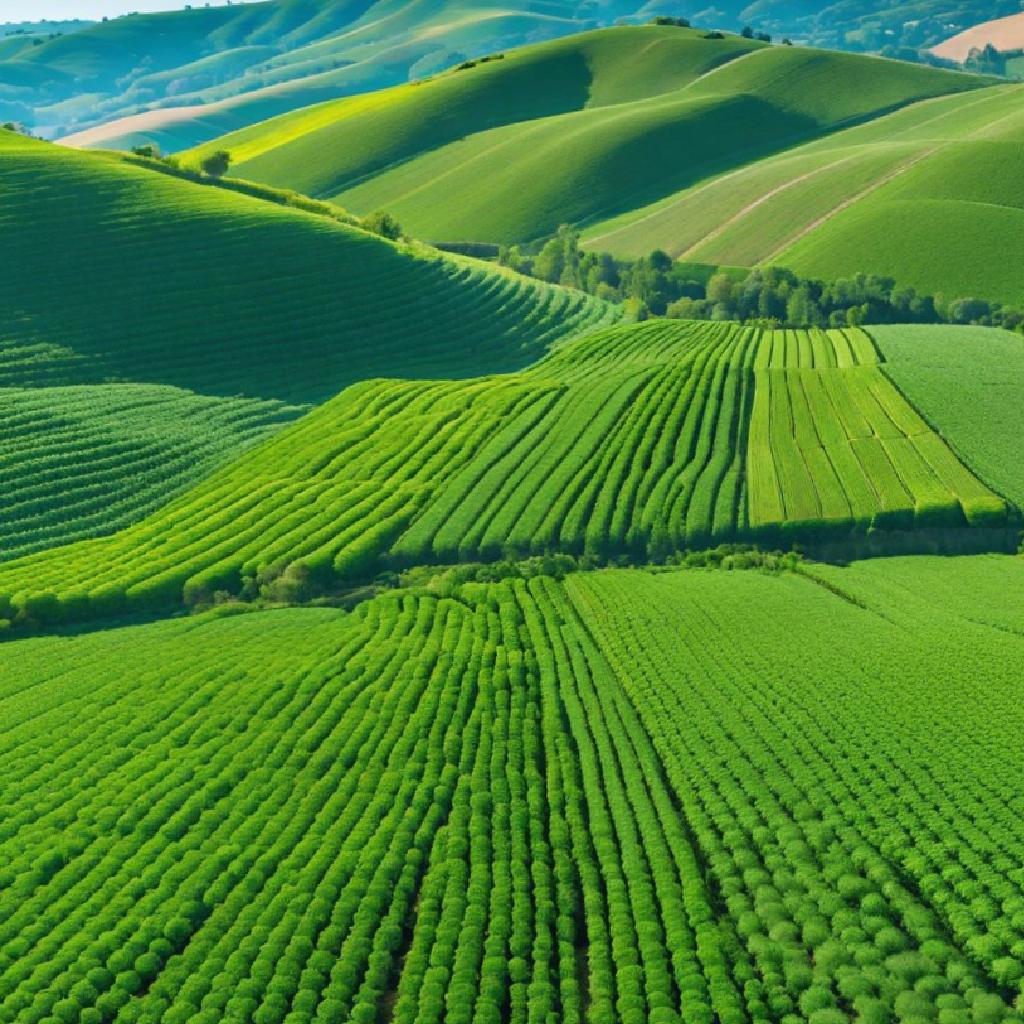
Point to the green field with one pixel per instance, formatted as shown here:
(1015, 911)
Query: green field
(481, 154)
(617, 799)
(939, 181)
(645, 440)
(952, 374)
(161, 280)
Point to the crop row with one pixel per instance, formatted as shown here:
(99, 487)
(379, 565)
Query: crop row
(834, 445)
(629, 441)
(427, 810)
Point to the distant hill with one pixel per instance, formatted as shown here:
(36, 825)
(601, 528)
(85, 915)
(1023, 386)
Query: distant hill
(208, 56)
(196, 74)
(577, 131)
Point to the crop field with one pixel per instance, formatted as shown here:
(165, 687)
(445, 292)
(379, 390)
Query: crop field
(645, 440)
(168, 282)
(608, 800)
(389, 637)
(832, 442)
(480, 155)
(84, 461)
(950, 373)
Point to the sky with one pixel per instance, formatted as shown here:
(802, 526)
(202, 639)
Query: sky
(63, 10)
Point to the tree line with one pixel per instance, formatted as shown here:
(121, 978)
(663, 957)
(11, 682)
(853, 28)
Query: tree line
(658, 286)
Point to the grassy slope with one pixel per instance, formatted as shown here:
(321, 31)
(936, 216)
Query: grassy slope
(940, 181)
(124, 273)
(967, 382)
(320, 149)
(85, 461)
(642, 440)
(250, 61)
(189, 801)
(626, 148)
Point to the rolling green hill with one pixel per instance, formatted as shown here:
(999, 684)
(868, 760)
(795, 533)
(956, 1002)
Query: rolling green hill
(939, 181)
(627, 129)
(743, 796)
(646, 440)
(125, 273)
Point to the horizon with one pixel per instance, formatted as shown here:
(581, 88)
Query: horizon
(16, 11)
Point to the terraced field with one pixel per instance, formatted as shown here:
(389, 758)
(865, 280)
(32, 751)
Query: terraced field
(618, 799)
(85, 461)
(939, 180)
(493, 165)
(164, 281)
(643, 440)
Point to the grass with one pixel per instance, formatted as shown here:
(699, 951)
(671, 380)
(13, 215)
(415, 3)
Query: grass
(79, 462)
(427, 808)
(161, 280)
(641, 441)
(481, 155)
(965, 381)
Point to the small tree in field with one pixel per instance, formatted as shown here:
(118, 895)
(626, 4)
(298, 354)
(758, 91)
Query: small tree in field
(383, 224)
(216, 164)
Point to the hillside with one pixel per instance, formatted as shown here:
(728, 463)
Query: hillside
(646, 441)
(638, 133)
(161, 280)
(319, 150)
(244, 62)
(939, 181)
(431, 806)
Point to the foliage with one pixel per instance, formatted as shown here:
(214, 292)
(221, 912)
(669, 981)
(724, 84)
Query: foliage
(383, 224)
(762, 295)
(216, 164)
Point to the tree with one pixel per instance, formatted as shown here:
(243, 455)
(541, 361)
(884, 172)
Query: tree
(747, 33)
(149, 150)
(381, 223)
(719, 288)
(216, 164)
